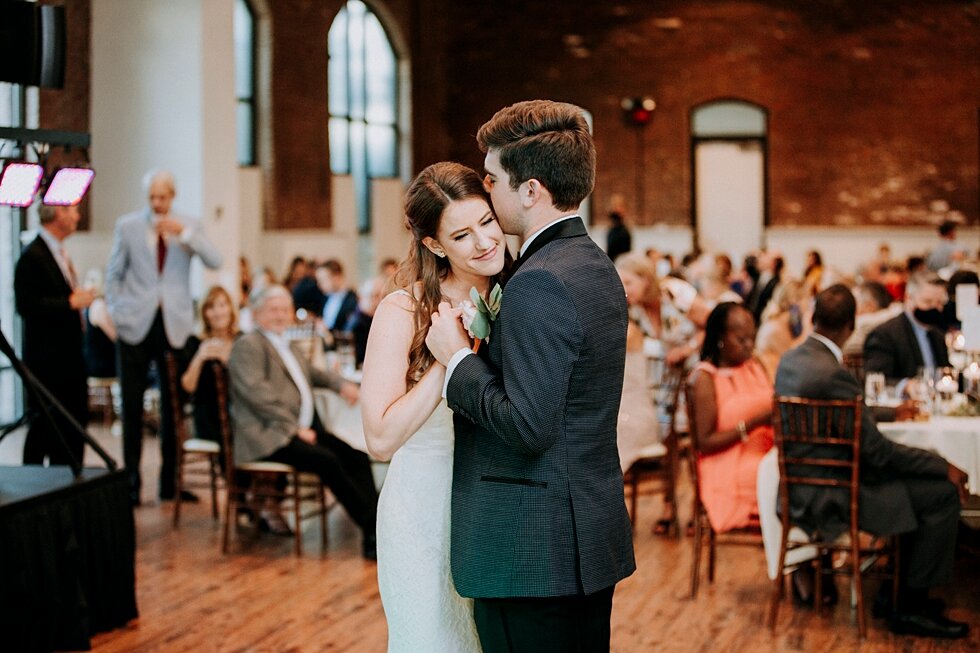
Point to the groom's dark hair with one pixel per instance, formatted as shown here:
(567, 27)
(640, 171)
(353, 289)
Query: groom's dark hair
(544, 140)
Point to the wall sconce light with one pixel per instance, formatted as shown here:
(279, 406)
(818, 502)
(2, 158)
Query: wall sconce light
(639, 111)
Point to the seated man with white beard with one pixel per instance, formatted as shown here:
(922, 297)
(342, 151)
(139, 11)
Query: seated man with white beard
(274, 417)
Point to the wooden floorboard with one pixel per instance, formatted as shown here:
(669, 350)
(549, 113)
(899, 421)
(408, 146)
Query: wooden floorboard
(262, 598)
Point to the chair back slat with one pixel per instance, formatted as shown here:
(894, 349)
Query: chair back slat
(176, 407)
(818, 444)
(224, 418)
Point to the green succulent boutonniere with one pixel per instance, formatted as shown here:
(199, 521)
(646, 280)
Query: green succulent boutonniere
(479, 314)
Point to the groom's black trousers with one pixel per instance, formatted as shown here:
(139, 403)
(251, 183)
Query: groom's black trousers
(566, 624)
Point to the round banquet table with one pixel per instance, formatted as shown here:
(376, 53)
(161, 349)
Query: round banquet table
(957, 439)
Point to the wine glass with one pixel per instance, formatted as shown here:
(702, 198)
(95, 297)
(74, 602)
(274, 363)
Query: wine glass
(874, 387)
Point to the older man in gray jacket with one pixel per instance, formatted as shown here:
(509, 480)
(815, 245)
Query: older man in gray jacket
(274, 417)
(148, 294)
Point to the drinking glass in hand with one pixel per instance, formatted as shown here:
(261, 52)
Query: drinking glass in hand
(874, 387)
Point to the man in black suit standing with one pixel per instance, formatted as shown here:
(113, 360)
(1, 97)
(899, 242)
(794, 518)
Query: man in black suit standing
(911, 341)
(540, 535)
(904, 490)
(50, 302)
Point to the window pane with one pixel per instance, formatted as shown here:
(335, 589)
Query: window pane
(355, 61)
(246, 135)
(339, 146)
(381, 147)
(380, 82)
(337, 66)
(244, 50)
(729, 119)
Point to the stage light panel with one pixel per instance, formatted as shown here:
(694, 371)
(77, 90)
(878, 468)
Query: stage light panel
(19, 184)
(68, 186)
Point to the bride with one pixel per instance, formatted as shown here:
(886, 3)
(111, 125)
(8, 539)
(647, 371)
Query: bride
(458, 245)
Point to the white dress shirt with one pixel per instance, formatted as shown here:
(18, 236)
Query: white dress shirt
(59, 254)
(281, 345)
(831, 345)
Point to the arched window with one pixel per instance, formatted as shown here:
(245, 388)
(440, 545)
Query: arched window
(245, 81)
(363, 101)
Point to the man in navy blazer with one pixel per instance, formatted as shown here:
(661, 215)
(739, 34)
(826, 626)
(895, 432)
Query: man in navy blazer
(148, 294)
(540, 534)
(51, 302)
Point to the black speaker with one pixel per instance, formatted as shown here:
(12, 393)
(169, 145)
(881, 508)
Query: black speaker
(32, 44)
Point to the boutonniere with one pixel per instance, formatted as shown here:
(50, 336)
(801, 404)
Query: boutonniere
(479, 314)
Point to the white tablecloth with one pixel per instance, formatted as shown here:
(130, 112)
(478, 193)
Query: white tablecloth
(340, 418)
(957, 439)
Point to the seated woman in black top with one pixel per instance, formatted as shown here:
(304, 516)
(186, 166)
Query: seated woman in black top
(220, 328)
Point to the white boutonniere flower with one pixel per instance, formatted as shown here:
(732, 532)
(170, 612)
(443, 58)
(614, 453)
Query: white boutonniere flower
(479, 314)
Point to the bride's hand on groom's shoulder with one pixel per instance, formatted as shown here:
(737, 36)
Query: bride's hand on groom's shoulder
(446, 335)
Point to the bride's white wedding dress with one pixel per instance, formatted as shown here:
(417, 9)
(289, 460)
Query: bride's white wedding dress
(423, 610)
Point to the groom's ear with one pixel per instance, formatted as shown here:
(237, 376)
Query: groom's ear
(531, 192)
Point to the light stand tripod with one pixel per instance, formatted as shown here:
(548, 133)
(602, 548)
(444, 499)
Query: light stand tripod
(46, 401)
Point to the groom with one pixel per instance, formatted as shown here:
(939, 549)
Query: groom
(540, 533)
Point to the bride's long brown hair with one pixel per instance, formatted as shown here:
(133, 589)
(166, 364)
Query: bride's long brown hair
(422, 272)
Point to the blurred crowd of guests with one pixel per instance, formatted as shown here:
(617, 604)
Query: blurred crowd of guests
(735, 333)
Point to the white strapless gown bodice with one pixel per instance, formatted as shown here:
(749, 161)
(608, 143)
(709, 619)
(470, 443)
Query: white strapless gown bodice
(423, 610)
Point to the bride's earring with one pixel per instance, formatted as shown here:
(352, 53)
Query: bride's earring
(440, 254)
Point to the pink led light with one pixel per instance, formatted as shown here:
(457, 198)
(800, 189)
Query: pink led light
(68, 186)
(19, 184)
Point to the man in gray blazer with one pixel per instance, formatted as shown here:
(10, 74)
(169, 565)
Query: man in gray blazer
(904, 490)
(540, 534)
(147, 289)
(274, 417)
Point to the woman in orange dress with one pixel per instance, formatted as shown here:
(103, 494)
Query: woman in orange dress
(733, 418)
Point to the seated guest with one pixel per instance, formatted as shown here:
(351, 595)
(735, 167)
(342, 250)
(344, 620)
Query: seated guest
(340, 302)
(307, 295)
(660, 311)
(298, 270)
(904, 491)
(903, 345)
(785, 323)
(637, 427)
(732, 419)
(874, 307)
(715, 286)
(219, 331)
(771, 266)
(359, 323)
(960, 277)
(813, 272)
(274, 417)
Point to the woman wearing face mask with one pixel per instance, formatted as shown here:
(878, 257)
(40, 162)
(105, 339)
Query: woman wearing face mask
(912, 341)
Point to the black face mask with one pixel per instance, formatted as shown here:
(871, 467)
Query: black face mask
(932, 317)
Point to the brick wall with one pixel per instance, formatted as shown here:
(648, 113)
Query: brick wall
(873, 106)
(67, 109)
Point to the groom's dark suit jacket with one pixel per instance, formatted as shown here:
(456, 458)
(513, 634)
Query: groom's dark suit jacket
(537, 507)
(812, 371)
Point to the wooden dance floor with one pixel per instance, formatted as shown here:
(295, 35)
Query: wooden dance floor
(261, 598)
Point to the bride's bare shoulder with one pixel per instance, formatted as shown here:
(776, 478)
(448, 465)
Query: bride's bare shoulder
(401, 298)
